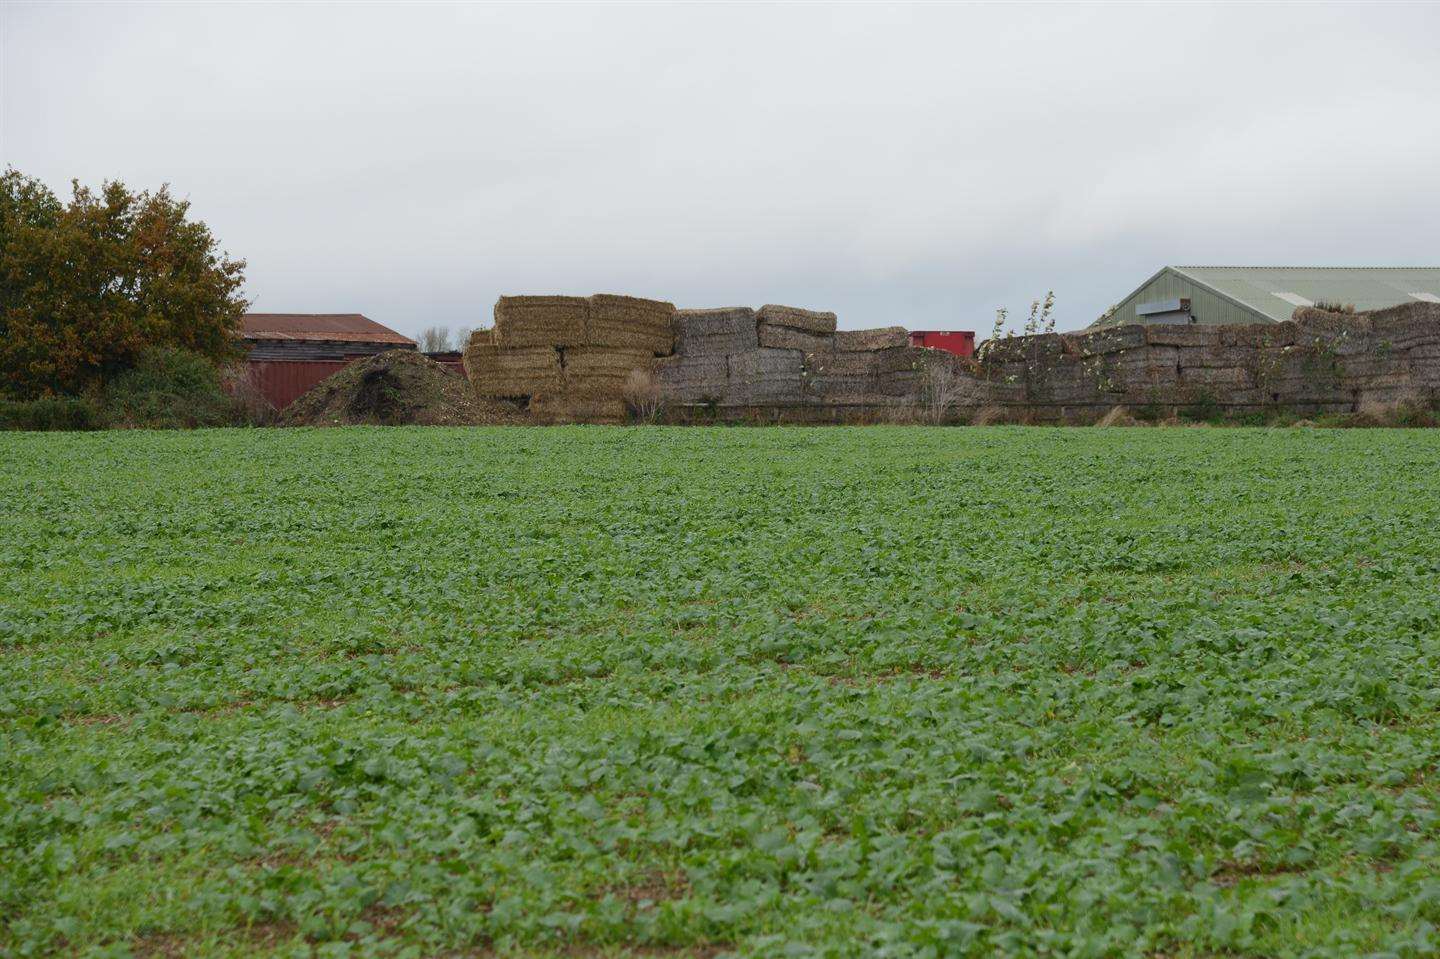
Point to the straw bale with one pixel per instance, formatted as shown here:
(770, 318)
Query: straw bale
(765, 362)
(1147, 358)
(848, 363)
(519, 372)
(628, 322)
(1169, 334)
(840, 388)
(907, 383)
(561, 408)
(797, 319)
(1225, 377)
(1004, 349)
(1256, 335)
(1408, 329)
(854, 341)
(1312, 324)
(1110, 339)
(767, 376)
(833, 376)
(1375, 364)
(1070, 370)
(1202, 357)
(598, 372)
(1419, 311)
(479, 357)
(789, 338)
(693, 379)
(718, 332)
(532, 321)
(897, 359)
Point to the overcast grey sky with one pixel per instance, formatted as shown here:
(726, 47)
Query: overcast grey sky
(919, 165)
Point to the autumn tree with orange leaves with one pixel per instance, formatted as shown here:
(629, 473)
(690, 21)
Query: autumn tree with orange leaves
(85, 286)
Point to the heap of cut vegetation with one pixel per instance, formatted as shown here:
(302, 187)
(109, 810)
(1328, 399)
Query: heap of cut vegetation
(396, 388)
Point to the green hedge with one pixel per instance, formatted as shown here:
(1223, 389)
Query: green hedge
(166, 389)
(52, 413)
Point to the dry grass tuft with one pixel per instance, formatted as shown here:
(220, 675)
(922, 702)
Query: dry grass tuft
(642, 395)
(989, 416)
(1117, 416)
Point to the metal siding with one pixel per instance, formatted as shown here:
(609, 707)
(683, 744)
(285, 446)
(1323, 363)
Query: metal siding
(1205, 306)
(282, 382)
(1364, 287)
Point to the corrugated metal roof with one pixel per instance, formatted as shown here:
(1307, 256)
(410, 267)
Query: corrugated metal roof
(1271, 290)
(337, 327)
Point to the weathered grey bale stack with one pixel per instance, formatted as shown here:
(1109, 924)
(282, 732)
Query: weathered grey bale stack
(858, 341)
(784, 356)
(699, 372)
(774, 374)
(1316, 363)
(569, 358)
(871, 368)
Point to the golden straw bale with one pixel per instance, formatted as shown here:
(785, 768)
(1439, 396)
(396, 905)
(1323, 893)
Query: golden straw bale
(560, 408)
(479, 357)
(629, 322)
(531, 321)
(514, 373)
(597, 372)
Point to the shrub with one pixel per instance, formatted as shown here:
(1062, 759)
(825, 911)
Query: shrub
(239, 381)
(171, 388)
(940, 388)
(52, 413)
(642, 395)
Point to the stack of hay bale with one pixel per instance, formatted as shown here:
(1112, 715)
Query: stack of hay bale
(781, 356)
(774, 374)
(569, 357)
(870, 368)
(699, 372)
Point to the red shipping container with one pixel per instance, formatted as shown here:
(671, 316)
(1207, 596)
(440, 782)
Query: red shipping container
(959, 342)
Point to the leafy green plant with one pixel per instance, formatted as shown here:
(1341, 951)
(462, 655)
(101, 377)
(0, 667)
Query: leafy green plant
(52, 413)
(775, 692)
(170, 388)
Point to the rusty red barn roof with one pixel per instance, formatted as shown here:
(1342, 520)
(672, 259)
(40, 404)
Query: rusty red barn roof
(342, 327)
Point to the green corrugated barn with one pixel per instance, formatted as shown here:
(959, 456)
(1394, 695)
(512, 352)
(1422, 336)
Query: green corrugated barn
(1269, 294)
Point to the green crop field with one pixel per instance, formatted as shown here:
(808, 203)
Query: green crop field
(844, 691)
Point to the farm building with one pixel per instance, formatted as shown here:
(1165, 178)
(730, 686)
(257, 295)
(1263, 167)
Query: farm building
(288, 353)
(1228, 295)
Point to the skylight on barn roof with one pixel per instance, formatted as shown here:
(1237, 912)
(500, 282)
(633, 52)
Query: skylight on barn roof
(1295, 299)
(1426, 297)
